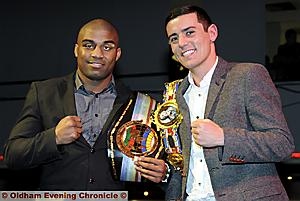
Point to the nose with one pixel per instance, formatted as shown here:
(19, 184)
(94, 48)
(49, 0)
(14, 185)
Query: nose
(182, 41)
(97, 52)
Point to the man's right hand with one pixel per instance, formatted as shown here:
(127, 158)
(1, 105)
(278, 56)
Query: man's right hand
(68, 130)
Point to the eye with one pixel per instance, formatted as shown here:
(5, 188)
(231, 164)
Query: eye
(189, 33)
(108, 46)
(90, 46)
(173, 40)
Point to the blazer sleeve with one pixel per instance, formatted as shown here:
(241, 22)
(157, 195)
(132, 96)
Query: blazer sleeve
(258, 132)
(30, 143)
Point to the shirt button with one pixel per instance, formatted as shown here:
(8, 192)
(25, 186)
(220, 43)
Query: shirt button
(92, 150)
(91, 181)
(96, 95)
(96, 115)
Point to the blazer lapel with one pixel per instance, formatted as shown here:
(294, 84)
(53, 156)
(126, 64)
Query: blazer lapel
(66, 89)
(215, 88)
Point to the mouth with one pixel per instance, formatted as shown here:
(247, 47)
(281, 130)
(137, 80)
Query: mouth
(95, 64)
(188, 53)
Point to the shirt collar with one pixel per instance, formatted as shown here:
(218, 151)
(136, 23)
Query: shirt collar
(206, 79)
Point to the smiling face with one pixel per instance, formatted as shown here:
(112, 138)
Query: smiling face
(97, 51)
(192, 46)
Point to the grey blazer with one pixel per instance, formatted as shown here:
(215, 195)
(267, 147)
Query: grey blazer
(243, 100)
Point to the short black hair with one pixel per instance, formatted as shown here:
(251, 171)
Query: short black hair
(202, 15)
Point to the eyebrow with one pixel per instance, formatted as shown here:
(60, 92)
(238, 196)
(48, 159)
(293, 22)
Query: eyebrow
(87, 40)
(173, 34)
(105, 42)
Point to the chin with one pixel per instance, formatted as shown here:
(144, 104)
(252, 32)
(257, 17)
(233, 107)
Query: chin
(188, 65)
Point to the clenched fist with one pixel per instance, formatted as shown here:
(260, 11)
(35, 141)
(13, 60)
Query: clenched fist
(68, 130)
(207, 133)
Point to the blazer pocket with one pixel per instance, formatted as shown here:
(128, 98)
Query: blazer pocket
(265, 190)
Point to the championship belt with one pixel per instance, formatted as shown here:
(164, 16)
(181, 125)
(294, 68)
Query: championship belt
(167, 119)
(132, 136)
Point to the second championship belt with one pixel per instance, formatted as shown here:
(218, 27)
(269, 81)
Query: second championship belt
(167, 119)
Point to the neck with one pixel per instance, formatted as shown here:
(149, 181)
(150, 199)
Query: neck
(96, 86)
(200, 71)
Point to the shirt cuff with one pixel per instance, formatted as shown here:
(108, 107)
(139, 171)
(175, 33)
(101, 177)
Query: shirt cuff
(165, 179)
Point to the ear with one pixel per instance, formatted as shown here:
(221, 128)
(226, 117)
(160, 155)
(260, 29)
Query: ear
(76, 50)
(119, 52)
(213, 32)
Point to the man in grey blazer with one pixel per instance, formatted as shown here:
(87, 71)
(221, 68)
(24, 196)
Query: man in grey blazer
(233, 130)
(64, 125)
